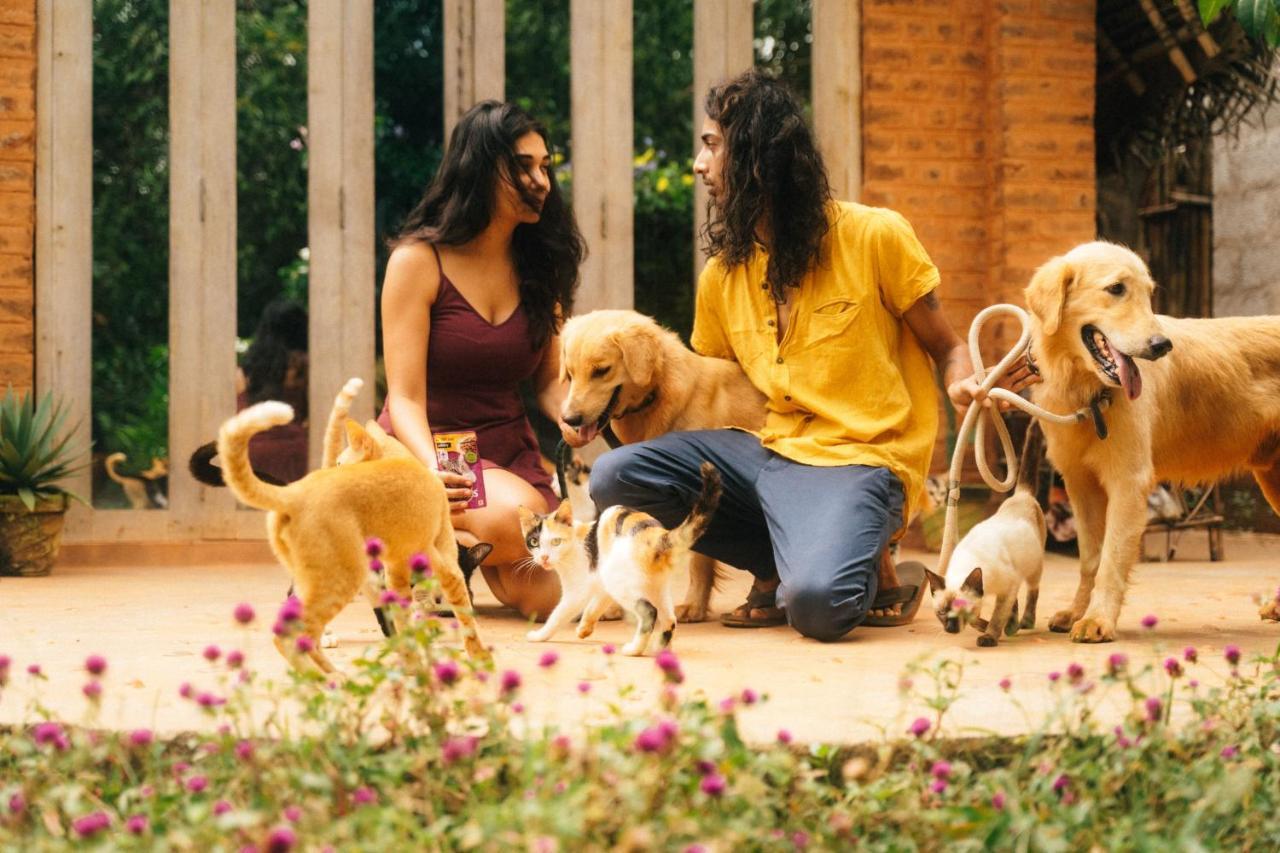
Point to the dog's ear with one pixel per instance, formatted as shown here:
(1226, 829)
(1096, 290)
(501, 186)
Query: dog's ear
(564, 512)
(361, 442)
(974, 581)
(640, 352)
(1047, 293)
(937, 583)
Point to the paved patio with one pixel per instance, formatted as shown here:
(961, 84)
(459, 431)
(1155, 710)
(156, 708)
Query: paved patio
(151, 615)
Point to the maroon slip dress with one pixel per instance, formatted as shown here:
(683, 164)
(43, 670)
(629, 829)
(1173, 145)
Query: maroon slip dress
(474, 371)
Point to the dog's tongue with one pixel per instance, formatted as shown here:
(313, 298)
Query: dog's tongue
(587, 432)
(1130, 377)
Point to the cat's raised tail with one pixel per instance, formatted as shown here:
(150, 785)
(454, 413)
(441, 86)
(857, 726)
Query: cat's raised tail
(703, 508)
(233, 450)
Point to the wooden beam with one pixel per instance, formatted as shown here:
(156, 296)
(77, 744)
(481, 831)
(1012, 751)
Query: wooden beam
(340, 220)
(474, 56)
(602, 122)
(64, 223)
(1192, 17)
(202, 253)
(722, 47)
(837, 93)
(1176, 56)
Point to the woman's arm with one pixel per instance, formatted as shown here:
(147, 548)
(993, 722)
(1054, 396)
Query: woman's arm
(408, 291)
(550, 390)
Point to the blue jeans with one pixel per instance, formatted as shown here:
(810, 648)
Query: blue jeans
(820, 531)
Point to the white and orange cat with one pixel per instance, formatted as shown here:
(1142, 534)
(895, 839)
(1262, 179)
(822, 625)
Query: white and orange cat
(318, 526)
(625, 556)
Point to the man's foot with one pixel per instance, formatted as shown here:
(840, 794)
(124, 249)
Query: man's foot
(888, 580)
(897, 604)
(759, 610)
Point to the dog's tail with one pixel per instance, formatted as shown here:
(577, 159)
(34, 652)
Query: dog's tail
(110, 464)
(335, 429)
(703, 508)
(233, 448)
(1029, 462)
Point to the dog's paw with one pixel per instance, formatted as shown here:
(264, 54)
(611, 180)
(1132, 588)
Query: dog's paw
(1093, 629)
(585, 630)
(538, 636)
(686, 613)
(986, 641)
(477, 650)
(1270, 611)
(1062, 621)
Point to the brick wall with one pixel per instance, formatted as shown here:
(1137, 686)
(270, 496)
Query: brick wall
(978, 127)
(17, 190)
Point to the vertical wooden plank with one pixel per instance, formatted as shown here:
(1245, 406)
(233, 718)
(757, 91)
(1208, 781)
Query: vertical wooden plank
(64, 223)
(722, 47)
(202, 252)
(602, 122)
(339, 206)
(474, 55)
(837, 93)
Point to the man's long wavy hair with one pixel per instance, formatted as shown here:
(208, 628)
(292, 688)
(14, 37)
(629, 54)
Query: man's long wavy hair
(772, 169)
(458, 204)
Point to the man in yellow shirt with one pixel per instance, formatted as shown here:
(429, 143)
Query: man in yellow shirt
(831, 310)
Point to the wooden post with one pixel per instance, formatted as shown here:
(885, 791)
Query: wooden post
(64, 226)
(722, 47)
(202, 253)
(602, 121)
(837, 93)
(474, 56)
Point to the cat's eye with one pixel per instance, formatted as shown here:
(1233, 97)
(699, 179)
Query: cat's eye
(555, 542)
(532, 541)
(600, 371)
(1117, 289)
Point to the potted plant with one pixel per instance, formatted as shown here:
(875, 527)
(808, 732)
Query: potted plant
(35, 453)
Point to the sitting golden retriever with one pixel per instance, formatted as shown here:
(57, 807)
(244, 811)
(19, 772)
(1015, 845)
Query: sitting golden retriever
(1206, 406)
(627, 372)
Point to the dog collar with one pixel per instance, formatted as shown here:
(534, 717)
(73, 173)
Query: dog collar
(639, 407)
(1100, 401)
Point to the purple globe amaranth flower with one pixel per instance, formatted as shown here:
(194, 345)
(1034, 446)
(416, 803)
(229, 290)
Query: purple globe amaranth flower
(650, 740)
(1061, 783)
(517, 707)
(375, 566)
(141, 737)
(784, 737)
(1075, 673)
(293, 814)
(244, 750)
(669, 729)
(1149, 621)
(1190, 655)
(197, 784)
(304, 644)
(548, 659)
(17, 803)
(212, 653)
(713, 784)
(290, 610)
(940, 770)
(281, 840)
(91, 824)
(420, 565)
(185, 690)
(1229, 752)
(209, 700)
(1154, 707)
(447, 671)
(373, 546)
(1173, 667)
(1005, 684)
(5, 663)
(389, 598)
(919, 727)
(235, 659)
(997, 801)
(50, 733)
(95, 664)
(362, 796)
(1232, 653)
(1117, 664)
(666, 660)
(584, 688)
(705, 766)
(510, 681)
(136, 825)
(938, 786)
(244, 613)
(221, 807)
(457, 748)
(34, 670)
(1054, 676)
(92, 690)
(608, 648)
(749, 697)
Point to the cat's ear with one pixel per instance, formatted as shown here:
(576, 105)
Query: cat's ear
(974, 581)
(937, 583)
(528, 518)
(477, 552)
(361, 442)
(564, 512)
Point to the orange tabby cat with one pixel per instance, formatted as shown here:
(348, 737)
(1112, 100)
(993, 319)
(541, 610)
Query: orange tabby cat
(318, 526)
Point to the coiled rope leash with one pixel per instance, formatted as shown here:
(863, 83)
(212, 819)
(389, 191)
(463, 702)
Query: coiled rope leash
(987, 382)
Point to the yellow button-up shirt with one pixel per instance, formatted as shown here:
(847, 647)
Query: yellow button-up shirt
(848, 384)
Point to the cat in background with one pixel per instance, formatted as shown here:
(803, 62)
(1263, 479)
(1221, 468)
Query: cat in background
(997, 557)
(625, 556)
(146, 490)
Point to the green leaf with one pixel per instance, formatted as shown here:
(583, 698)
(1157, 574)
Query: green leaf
(28, 497)
(1259, 18)
(1211, 9)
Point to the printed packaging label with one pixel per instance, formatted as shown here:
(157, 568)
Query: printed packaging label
(459, 452)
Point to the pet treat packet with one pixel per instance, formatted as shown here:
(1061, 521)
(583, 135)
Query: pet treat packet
(459, 452)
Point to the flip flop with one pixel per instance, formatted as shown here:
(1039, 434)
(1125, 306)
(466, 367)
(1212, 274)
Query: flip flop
(756, 600)
(909, 593)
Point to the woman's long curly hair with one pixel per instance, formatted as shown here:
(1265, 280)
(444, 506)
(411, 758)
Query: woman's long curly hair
(458, 205)
(772, 168)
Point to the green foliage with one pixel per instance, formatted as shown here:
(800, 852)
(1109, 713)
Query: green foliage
(418, 748)
(1259, 18)
(35, 451)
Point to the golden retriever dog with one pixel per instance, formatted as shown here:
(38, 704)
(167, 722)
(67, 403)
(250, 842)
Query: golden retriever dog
(626, 371)
(1205, 406)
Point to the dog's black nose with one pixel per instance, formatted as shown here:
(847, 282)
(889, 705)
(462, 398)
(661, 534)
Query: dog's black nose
(1159, 346)
(573, 420)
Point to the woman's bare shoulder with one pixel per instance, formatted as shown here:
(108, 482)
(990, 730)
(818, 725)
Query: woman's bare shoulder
(412, 270)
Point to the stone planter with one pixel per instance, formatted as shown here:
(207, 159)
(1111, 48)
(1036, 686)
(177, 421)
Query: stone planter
(29, 541)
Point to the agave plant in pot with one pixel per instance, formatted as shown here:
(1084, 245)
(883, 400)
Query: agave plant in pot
(35, 453)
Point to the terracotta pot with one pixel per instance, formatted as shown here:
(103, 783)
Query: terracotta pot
(29, 541)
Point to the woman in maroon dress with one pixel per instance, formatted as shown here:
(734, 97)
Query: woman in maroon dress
(484, 268)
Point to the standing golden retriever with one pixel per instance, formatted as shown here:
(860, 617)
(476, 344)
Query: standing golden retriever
(1208, 405)
(626, 371)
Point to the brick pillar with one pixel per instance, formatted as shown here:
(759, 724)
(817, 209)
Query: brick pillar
(17, 190)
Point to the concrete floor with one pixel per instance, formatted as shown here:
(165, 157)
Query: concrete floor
(152, 622)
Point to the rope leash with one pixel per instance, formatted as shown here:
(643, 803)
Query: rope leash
(975, 424)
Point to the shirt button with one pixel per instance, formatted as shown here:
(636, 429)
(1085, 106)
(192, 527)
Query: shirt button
(787, 397)
(769, 322)
(779, 359)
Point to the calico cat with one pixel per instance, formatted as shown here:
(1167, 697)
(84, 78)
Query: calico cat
(625, 556)
(318, 526)
(997, 557)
